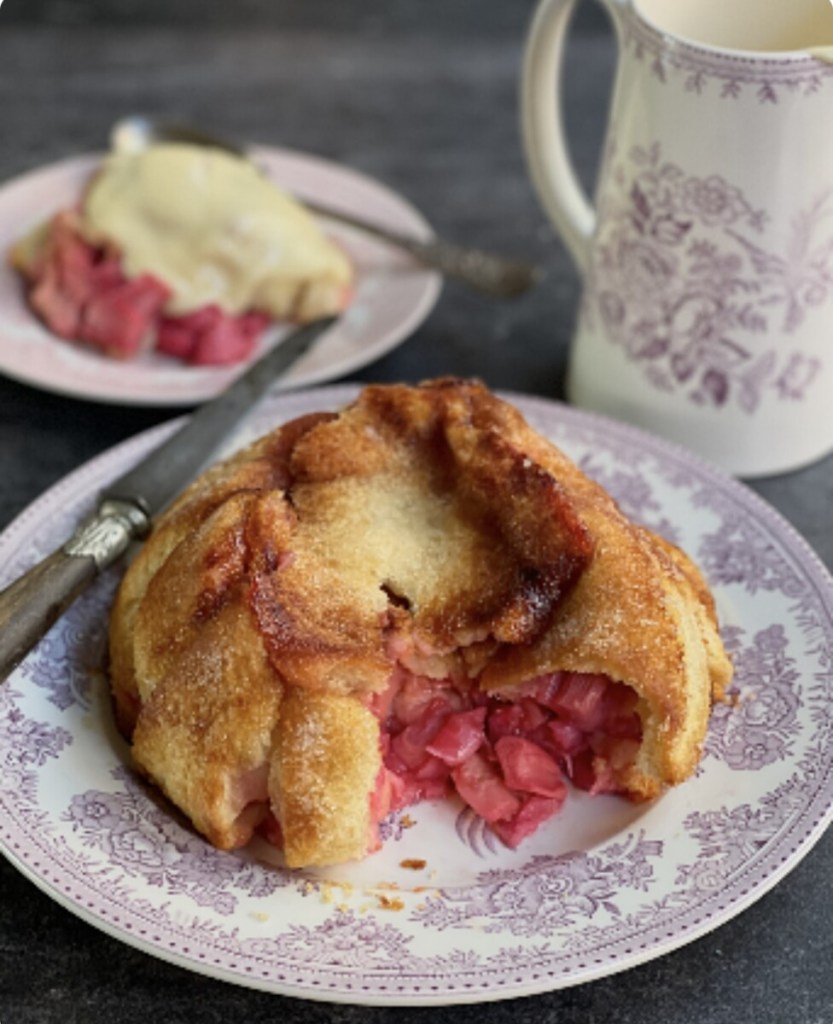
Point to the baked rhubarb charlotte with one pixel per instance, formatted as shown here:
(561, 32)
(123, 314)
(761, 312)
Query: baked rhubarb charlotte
(414, 598)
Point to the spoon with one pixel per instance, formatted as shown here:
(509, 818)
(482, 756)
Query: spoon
(485, 271)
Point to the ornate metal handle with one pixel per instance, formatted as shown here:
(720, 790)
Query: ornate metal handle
(30, 605)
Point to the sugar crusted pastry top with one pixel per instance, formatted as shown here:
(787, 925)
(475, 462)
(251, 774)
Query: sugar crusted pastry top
(423, 527)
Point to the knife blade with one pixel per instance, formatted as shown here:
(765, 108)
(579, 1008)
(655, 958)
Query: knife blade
(127, 507)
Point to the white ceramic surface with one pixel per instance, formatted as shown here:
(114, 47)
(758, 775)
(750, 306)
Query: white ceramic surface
(602, 887)
(708, 254)
(393, 295)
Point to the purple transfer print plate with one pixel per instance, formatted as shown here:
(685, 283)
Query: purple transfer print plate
(604, 886)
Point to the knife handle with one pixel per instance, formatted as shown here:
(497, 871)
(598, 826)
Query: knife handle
(30, 605)
(33, 603)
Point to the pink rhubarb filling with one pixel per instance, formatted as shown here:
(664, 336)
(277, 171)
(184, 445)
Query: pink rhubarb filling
(510, 761)
(81, 293)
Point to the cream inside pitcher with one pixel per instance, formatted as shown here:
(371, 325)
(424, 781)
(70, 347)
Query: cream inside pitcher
(707, 252)
(754, 25)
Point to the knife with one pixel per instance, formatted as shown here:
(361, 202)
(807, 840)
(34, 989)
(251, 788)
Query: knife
(30, 605)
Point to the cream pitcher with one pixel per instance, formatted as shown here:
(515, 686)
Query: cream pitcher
(707, 256)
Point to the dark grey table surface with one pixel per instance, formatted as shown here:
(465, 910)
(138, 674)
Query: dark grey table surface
(424, 97)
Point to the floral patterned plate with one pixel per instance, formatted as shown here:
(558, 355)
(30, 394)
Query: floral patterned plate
(392, 297)
(444, 913)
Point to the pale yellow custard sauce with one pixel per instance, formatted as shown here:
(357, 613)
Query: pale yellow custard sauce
(215, 230)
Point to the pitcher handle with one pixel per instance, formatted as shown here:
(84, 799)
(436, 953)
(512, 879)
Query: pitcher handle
(548, 157)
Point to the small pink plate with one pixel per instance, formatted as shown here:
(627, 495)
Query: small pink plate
(393, 294)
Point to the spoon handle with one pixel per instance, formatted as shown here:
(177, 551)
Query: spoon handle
(485, 271)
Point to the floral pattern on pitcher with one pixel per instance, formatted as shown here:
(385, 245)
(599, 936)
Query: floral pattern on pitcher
(685, 280)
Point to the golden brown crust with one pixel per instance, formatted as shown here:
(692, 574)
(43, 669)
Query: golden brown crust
(324, 769)
(641, 614)
(398, 528)
(428, 527)
(720, 666)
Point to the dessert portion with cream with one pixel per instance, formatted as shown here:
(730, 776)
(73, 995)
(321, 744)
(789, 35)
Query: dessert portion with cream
(183, 248)
(415, 598)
